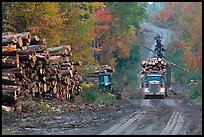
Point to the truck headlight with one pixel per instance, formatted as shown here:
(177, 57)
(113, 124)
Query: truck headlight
(162, 90)
(146, 90)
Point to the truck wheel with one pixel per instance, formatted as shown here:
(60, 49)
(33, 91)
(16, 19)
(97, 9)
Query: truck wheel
(166, 94)
(166, 90)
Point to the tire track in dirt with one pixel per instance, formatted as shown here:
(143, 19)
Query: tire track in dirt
(124, 124)
(174, 124)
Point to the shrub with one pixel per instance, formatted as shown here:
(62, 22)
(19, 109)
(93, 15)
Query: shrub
(93, 94)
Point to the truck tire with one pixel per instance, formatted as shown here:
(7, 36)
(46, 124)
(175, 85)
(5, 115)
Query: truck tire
(166, 92)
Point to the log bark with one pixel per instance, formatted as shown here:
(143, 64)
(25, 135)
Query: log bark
(18, 72)
(66, 64)
(42, 58)
(10, 61)
(10, 88)
(9, 40)
(61, 53)
(19, 43)
(26, 52)
(56, 59)
(65, 50)
(37, 48)
(26, 38)
(34, 40)
(7, 81)
(38, 42)
(24, 35)
(9, 50)
(25, 58)
(4, 34)
(67, 72)
(24, 47)
(76, 63)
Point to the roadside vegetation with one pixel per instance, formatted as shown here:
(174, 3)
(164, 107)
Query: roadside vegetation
(93, 94)
(194, 90)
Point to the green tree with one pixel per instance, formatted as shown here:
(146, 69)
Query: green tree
(79, 28)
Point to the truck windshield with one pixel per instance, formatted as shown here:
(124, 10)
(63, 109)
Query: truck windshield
(151, 78)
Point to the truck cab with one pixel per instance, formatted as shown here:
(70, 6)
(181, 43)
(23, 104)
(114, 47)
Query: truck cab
(153, 85)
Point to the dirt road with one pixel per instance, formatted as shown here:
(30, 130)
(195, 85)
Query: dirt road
(171, 116)
(174, 115)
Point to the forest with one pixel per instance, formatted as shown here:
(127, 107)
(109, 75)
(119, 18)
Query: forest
(106, 32)
(101, 68)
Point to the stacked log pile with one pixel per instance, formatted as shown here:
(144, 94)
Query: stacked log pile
(32, 69)
(100, 69)
(154, 65)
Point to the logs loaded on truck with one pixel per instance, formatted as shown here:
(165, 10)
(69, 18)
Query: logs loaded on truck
(31, 69)
(155, 75)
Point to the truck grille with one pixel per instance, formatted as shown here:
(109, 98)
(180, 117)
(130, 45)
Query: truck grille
(154, 86)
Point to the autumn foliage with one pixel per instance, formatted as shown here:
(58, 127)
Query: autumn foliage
(102, 16)
(186, 17)
(193, 60)
(83, 25)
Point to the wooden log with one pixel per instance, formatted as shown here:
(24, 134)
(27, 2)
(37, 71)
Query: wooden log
(7, 81)
(8, 75)
(9, 50)
(67, 72)
(76, 63)
(25, 52)
(65, 48)
(42, 58)
(18, 72)
(25, 58)
(68, 64)
(19, 43)
(31, 58)
(65, 68)
(34, 40)
(10, 88)
(26, 37)
(9, 40)
(24, 47)
(21, 39)
(10, 61)
(61, 53)
(37, 48)
(4, 34)
(56, 59)
(38, 42)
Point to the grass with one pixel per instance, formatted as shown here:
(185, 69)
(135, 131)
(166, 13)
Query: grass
(93, 94)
